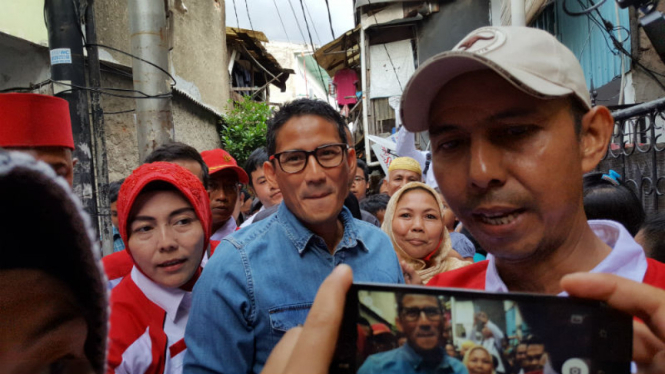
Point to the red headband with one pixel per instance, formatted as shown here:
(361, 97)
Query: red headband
(182, 179)
(32, 120)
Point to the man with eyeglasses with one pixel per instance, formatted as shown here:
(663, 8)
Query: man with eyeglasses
(420, 318)
(262, 280)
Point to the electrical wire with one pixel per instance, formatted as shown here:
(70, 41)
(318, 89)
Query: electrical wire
(583, 12)
(30, 88)
(248, 17)
(135, 57)
(332, 32)
(297, 23)
(376, 21)
(235, 9)
(281, 21)
(609, 27)
(325, 88)
(313, 24)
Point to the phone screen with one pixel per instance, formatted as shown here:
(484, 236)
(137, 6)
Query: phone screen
(403, 329)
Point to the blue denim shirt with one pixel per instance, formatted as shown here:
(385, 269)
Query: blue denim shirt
(118, 244)
(261, 282)
(404, 360)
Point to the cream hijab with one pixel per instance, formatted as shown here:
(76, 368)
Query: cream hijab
(439, 262)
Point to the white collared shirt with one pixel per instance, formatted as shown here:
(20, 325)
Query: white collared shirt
(176, 303)
(227, 229)
(249, 220)
(627, 258)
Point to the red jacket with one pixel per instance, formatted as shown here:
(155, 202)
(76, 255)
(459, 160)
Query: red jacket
(473, 276)
(141, 344)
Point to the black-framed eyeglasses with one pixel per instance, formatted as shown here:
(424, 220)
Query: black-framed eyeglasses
(327, 155)
(413, 314)
(359, 179)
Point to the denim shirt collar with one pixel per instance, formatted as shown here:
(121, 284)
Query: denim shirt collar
(415, 360)
(300, 235)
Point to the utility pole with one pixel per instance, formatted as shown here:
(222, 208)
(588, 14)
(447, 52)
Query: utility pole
(150, 42)
(98, 133)
(65, 39)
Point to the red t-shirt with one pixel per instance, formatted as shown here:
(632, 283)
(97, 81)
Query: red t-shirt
(345, 81)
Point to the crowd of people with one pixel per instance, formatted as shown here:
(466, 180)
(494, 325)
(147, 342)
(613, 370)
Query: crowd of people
(216, 267)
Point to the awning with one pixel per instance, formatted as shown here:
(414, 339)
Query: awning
(341, 53)
(248, 44)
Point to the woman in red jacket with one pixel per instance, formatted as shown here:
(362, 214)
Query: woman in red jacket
(164, 219)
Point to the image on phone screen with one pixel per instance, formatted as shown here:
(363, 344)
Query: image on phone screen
(390, 329)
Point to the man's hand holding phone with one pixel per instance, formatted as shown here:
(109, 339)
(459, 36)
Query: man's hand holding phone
(640, 300)
(310, 349)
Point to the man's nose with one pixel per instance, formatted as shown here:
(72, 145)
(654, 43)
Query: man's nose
(486, 167)
(313, 171)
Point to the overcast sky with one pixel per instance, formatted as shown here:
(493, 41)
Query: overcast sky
(264, 16)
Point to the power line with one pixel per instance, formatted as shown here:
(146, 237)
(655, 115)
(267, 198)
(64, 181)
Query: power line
(313, 24)
(235, 9)
(608, 26)
(297, 22)
(302, 5)
(248, 17)
(330, 20)
(282, 21)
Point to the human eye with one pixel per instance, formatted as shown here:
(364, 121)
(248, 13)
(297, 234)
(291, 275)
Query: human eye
(412, 312)
(431, 216)
(293, 157)
(405, 215)
(519, 130)
(142, 228)
(329, 152)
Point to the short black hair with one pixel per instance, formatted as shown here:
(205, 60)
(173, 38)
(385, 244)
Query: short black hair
(532, 340)
(399, 299)
(302, 107)
(653, 234)
(179, 151)
(255, 161)
(607, 198)
(114, 190)
(375, 203)
(362, 165)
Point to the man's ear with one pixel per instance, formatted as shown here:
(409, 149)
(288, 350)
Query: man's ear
(352, 162)
(269, 173)
(398, 323)
(595, 134)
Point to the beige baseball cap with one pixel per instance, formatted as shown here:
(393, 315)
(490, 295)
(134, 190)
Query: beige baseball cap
(532, 60)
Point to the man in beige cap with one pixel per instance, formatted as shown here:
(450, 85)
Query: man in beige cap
(512, 132)
(401, 171)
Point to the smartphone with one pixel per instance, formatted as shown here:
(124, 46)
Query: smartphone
(409, 329)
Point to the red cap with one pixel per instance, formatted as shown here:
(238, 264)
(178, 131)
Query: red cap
(32, 120)
(380, 328)
(219, 159)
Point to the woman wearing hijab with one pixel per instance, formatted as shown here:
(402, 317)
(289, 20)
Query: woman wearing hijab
(165, 221)
(414, 223)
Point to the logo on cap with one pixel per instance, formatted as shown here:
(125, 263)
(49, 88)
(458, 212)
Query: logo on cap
(483, 41)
